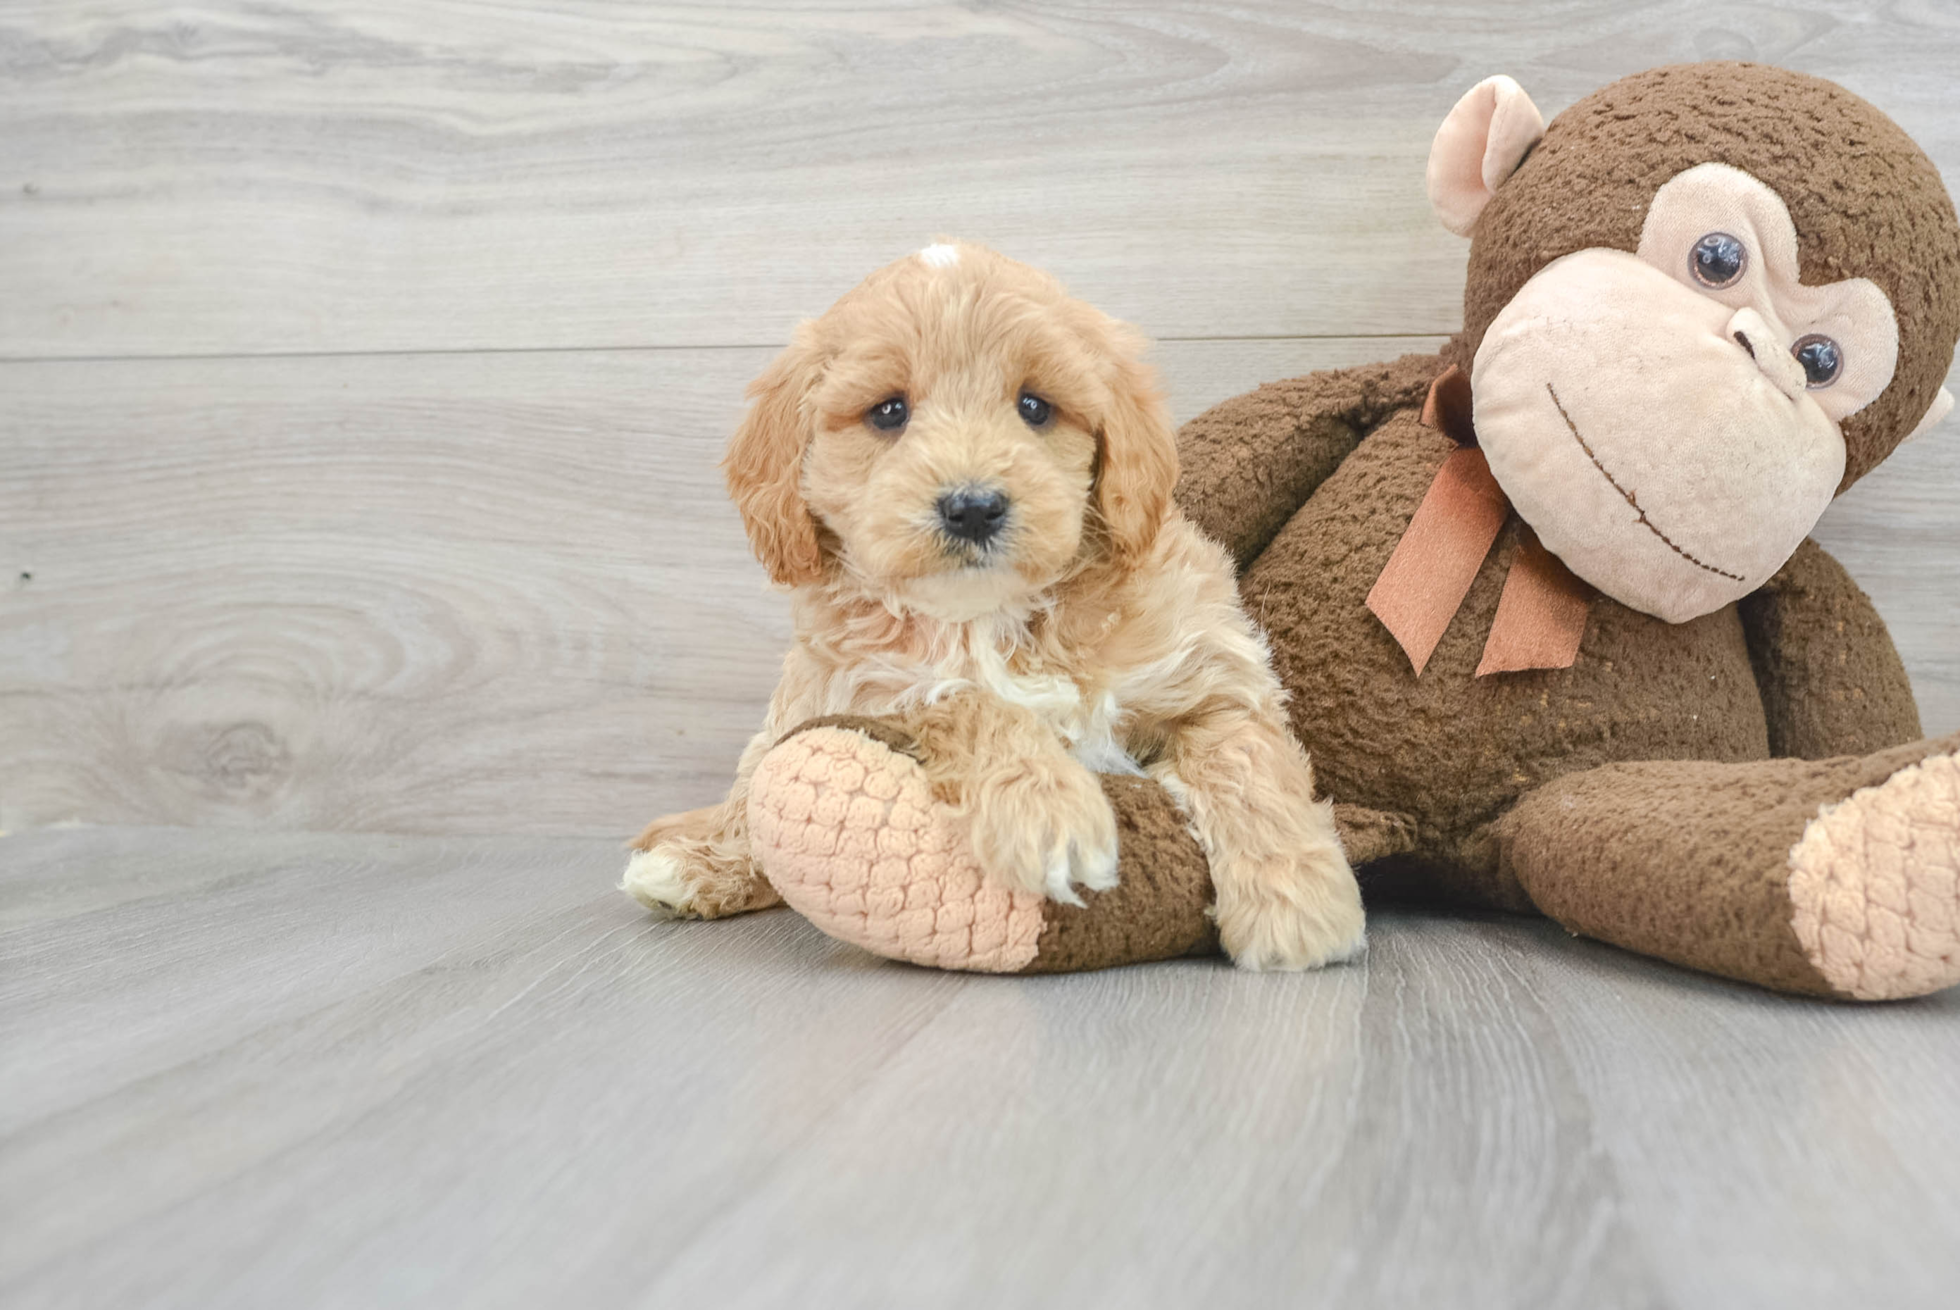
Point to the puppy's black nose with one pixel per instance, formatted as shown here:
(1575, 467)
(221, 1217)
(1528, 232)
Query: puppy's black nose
(973, 514)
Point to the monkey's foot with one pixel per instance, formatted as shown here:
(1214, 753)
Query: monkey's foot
(1875, 885)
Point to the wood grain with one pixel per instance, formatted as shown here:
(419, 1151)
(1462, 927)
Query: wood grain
(358, 1070)
(492, 593)
(330, 176)
(467, 568)
(502, 593)
(449, 593)
(369, 366)
(1898, 532)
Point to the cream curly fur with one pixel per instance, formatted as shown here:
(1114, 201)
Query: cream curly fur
(1099, 630)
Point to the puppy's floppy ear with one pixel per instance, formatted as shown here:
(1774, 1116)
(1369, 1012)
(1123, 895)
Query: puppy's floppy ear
(764, 466)
(1139, 456)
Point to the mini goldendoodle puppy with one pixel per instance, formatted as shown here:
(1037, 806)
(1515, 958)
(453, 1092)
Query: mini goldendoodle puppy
(964, 478)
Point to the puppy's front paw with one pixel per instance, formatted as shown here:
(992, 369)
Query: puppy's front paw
(1302, 914)
(1046, 828)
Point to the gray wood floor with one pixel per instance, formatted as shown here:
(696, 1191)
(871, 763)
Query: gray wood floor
(365, 573)
(363, 366)
(354, 1070)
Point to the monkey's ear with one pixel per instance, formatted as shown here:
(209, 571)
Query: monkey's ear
(1942, 406)
(1480, 144)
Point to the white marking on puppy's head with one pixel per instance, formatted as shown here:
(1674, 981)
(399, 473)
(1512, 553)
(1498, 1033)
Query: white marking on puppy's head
(940, 255)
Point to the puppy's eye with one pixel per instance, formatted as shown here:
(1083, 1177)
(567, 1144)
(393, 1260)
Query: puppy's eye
(1717, 259)
(1821, 359)
(1035, 411)
(888, 415)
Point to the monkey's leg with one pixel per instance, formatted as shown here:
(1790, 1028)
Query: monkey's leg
(844, 824)
(1248, 463)
(848, 829)
(1835, 877)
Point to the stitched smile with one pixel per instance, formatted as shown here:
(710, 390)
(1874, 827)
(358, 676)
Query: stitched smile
(1628, 496)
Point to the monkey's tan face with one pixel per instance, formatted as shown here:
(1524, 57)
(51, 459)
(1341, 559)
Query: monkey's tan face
(1667, 421)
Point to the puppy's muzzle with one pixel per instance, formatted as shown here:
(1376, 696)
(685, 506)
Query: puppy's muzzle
(974, 514)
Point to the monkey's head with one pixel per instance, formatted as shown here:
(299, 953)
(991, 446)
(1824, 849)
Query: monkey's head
(1701, 303)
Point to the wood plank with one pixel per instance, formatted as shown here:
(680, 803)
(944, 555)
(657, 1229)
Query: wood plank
(116, 976)
(444, 593)
(489, 593)
(1898, 532)
(324, 175)
(246, 1049)
(1188, 1135)
(1798, 1101)
(549, 1097)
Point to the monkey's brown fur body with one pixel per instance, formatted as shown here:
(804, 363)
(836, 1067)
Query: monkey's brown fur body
(1671, 790)
(1428, 772)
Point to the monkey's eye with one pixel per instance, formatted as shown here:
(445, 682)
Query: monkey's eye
(888, 415)
(1717, 259)
(1821, 359)
(1035, 411)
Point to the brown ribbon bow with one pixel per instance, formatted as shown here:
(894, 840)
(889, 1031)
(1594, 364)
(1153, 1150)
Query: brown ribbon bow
(1541, 614)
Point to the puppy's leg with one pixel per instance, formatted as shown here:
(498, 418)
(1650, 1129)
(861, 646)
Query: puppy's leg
(1286, 896)
(1039, 820)
(696, 865)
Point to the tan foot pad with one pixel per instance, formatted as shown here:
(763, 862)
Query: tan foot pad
(848, 831)
(1875, 882)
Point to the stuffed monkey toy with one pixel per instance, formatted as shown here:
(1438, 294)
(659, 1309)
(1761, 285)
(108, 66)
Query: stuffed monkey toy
(1554, 634)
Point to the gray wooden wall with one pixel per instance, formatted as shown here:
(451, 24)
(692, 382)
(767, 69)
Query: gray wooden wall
(363, 363)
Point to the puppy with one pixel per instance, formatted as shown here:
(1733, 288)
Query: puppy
(964, 479)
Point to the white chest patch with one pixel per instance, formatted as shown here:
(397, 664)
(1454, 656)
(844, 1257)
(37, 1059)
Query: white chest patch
(1089, 725)
(974, 656)
(940, 255)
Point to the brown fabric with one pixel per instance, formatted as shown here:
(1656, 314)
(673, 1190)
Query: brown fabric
(883, 731)
(1157, 909)
(1632, 791)
(1449, 407)
(1865, 200)
(1452, 754)
(1368, 835)
(1246, 464)
(1437, 558)
(1831, 681)
(1688, 862)
(1541, 614)
(1450, 750)
(1312, 483)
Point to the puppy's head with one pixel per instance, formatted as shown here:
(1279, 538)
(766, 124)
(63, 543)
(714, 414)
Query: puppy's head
(956, 434)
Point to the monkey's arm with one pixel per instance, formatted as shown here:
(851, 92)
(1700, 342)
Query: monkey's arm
(1248, 463)
(1831, 680)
